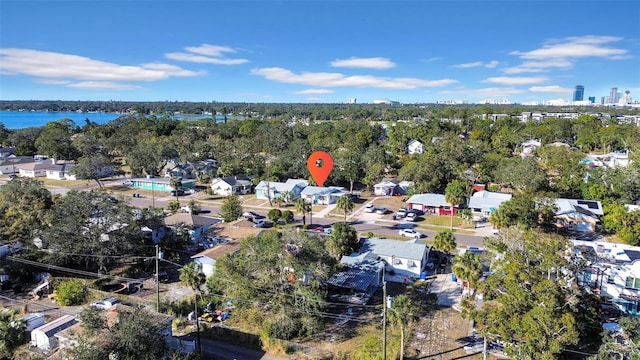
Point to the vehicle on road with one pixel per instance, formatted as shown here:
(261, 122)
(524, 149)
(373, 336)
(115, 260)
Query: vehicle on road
(261, 223)
(401, 213)
(179, 191)
(410, 233)
(369, 208)
(381, 210)
(411, 217)
(106, 304)
(251, 215)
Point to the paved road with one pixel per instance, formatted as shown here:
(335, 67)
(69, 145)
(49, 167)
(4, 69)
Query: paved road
(212, 208)
(212, 349)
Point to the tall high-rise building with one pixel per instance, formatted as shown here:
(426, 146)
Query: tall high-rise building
(613, 96)
(578, 93)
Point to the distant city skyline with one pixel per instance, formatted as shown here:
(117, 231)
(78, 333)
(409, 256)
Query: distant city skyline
(303, 51)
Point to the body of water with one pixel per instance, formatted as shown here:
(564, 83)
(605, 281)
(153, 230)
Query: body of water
(25, 119)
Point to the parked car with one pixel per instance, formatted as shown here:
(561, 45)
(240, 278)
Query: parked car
(106, 304)
(252, 215)
(179, 191)
(381, 210)
(369, 208)
(260, 223)
(401, 213)
(410, 233)
(411, 216)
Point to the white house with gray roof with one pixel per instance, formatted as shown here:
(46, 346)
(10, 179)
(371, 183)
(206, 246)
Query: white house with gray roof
(612, 270)
(483, 203)
(322, 195)
(274, 190)
(405, 258)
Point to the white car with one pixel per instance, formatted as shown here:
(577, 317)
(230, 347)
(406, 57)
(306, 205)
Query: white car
(401, 213)
(381, 210)
(252, 215)
(410, 233)
(106, 304)
(411, 216)
(369, 208)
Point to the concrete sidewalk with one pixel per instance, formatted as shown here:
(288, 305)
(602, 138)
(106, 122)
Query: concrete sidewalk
(449, 293)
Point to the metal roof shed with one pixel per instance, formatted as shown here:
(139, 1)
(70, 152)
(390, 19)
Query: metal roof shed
(43, 338)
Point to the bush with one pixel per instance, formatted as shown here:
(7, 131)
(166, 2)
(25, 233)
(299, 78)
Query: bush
(72, 292)
(287, 216)
(173, 206)
(274, 214)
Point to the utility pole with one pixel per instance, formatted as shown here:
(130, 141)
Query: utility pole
(157, 278)
(384, 314)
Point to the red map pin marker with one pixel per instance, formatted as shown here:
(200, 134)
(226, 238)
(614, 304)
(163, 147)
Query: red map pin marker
(320, 165)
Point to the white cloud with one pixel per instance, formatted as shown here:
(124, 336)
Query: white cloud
(204, 59)
(504, 80)
(340, 80)
(210, 50)
(102, 85)
(206, 54)
(492, 92)
(314, 92)
(491, 64)
(44, 64)
(538, 66)
(314, 99)
(468, 65)
(574, 47)
(366, 63)
(52, 82)
(431, 59)
(554, 89)
(563, 53)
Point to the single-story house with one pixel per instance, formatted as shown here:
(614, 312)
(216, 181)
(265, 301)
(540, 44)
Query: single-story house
(613, 271)
(61, 170)
(43, 337)
(529, 147)
(389, 187)
(415, 147)
(6, 152)
(206, 259)
(160, 184)
(434, 204)
(322, 195)
(33, 169)
(404, 258)
(196, 225)
(294, 187)
(359, 281)
(483, 203)
(583, 215)
(9, 165)
(231, 185)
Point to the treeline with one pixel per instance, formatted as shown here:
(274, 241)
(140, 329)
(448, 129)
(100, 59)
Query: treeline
(299, 111)
(472, 149)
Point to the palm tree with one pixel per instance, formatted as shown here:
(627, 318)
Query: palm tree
(175, 183)
(402, 313)
(345, 204)
(455, 194)
(12, 332)
(467, 267)
(286, 197)
(304, 207)
(444, 241)
(191, 276)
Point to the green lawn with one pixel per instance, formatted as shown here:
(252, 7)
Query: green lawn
(446, 221)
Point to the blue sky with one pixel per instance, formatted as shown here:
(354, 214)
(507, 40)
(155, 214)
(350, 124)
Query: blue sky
(317, 51)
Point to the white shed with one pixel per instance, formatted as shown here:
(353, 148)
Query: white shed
(43, 338)
(33, 321)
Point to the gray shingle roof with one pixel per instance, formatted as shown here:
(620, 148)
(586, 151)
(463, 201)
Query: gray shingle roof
(401, 249)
